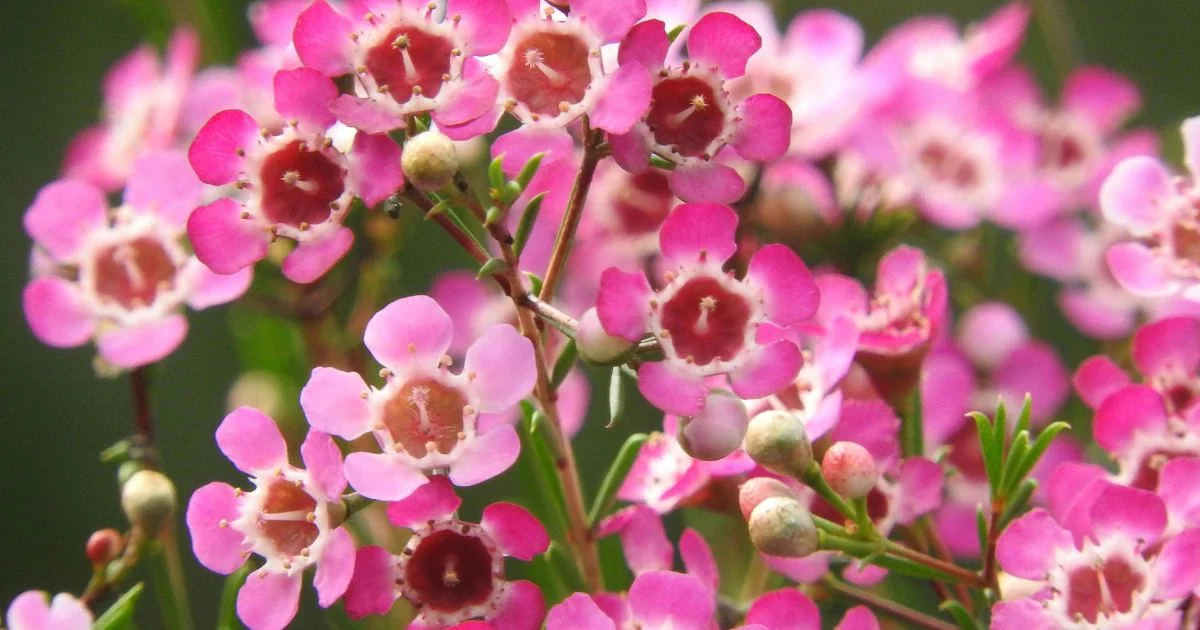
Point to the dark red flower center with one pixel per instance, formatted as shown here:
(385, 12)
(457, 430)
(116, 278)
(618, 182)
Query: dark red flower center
(299, 185)
(550, 70)
(705, 321)
(1146, 477)
(685, 115)
(1104, 589)
(945, 164)
(425, 415)
(410, 61)
(966, 454)
(1061, 151)
(449, 571)
(132, 274)
(286, 517)
(1185, 237)
(644, 202)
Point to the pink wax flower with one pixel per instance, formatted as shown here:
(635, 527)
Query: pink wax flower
(120, 276)
(425, 417)
(627, 210)
(31, 611)
(658, 600)
(647, 549)
(291, 519)
(293, 184)
(1160, 210)
(789, 609)
(143, 102)
(1166, 352)
(691, 117)
(706, 320)
(452, 570)
(1114, 571)
(405, 60)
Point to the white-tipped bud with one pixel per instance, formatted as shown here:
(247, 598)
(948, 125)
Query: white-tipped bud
(759, 489)
(849, 469)
(594, 344)
(777, 440)
(148, 499)
(429, 160)
(717, 430)
(780, 526)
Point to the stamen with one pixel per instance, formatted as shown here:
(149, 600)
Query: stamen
(697, 103)
(708, 304)
(292, 178)
(126, 256)
(295, 516)
(419, 397)
(534, 59)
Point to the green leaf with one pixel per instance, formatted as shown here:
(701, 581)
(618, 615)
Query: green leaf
(1017, 502)
(1000, 433)
(537, 461)
(535, 282)
(227, 614)
(495, 172)
(438, 208)
(981, 526)
(962, 618)
(992, 458)
(673, 34)
(563, 365)
(616, 397)
(543, 573)
(912, 427)
(1026, 410)
(615, 477)
(1039, 447)
(1012, 463)
(493, 216)
(528, 171)
(119, 616)
(525, 226)
(563, 563)
(491, 267)
(860, 549)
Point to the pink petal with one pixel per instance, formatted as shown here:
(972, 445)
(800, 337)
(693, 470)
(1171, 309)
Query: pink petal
(484, 26)
(518, 533)
(698, 559)
(1176, 566)
(806, 570)
(711, 182)
(488, 455)
(1035, 369)
(1170, 346)
(610, 19)
(785, 609)
(789, 293)
(1133, 194)
(1069, 485)
(217, 548)
(1124, 413)
(312, 259)
(858, 618)
(622, 302)
(210, 288)
(696, 232)
(672, 390)
(163, 182)
(475, 128)
(578, 612)
(372, 589)
(322, 39)
(1139, 514)
(269, 601)
(62, 215)
(766, 370)
(382, 477)
(304, 95)
(1096, 317)
(375, 172)
(218, 152)
(29, 611)
(433, 501)
(500, 367)
(871, 423)
(1190, 130)
(332, 401)
(1140, 271)
(56, 312)
(142, 344)
(723, 41)
(625, 99)
(629, 151)
(825, 36)
(921, 483)
(840, 297)
(411, 329)
(1104, 97)
(222, 240)
(766, 128)
(365, 114)
(1177, 487)
(646, 43)
(718, 429)
(335, 568)
(1022, 614)
(662, 599)
(252, 441)
(643, 539)
(470, 99)
(323, 460)
(522, 607)
(989, 332)
(1026, 547)
(834, 351)
(866, 576)
(521, 144)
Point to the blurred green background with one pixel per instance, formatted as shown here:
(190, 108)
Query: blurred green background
(57, 416)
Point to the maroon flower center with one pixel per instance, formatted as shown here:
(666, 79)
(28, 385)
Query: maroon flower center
(131, 274)
(410, 61)
(449, 571)
(1061, 151)
(425, 415)
(1107, 588)
(551, 71)
(1179, 396)
(643, 204)
(299, 185)
(966, 455)
(1185, 236)
(944, 164)
(685, 115)
(1146, 477)
(705, 321)
(285, 518)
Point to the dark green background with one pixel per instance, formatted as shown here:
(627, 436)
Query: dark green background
(56, 416)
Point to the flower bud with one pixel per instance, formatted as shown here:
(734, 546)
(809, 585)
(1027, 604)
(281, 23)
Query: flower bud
(777, 440)
(717, 430)
(429, 160)
(849, 469)
(780, 526)
(104, 546)
(594, 344)
(148, 499)
(759, 489)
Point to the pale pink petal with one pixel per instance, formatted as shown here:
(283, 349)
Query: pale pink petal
(332, 401)
(1027, 205)
(252, 441)
(142, 344)
(825, 416)
(323, 460)
(993, 41)
(766, 370)
(372, 589)
(470, 99)
(273, 22)
(789, 293)
(835, 350)
(222, 240)
(322, 39)
(1097, 317)
(488, 455)
(375, 172)
(484, 26)
(269, 601)
(646, 43)
(865, 576)
(1104, 97)
(807, 570)
(218, 547)
(521, 144)
(766, 128)
(1034, 369)
(304, 95)
(629, 151)
(475, 128)
(522, 607)
(1139, 514)
(573, 398)
(712, 182)
(871, 423)
(30, 612)
(697, 232)
(1027, 546)
(1170, 346)
(622, 303)
(1022, 614)
(1190, 130)
(164, 183)
(921, 482)
(671, 389)
(785, 609)
(381, 476)
(858, 618)
(1140, 271)
(1125, 412)
(335, 568)
(825, 36)
(365, 114)
(698, 559)
(56, 312)
(411, 329)
(662, 599)
(433, 501)
(578, 612)
(723, 41)
(840, 297)
(643, 539)
(1176, 566)
(210, 288)
(1133, 194)
(312, 259)
(625, 99)
(500, 367)
(989, 332)
(518, 533)
(609, 19)
(1177, 487)
(218, 152)
(62, 215)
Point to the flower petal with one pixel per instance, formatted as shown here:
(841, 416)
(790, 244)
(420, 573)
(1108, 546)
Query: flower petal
(661, 599)
(698, 232)
(488, 455)
(520, 145)
(789, 293)
(643, 539)
(372, 589)
(375, 172)
(766, 128)
(785, 609)
(1169, 346)
(322, 39)
(1125, 412)
(723, 41)
(335, 568)
(625, 99)
(766, 370)
(381, 476)
(365, 114)
(1139, 514)
(646, 44)
(1133, 193)
(411, 329)
(143, 344)
(164, 183)
(434, 501)
(312, 259)
(622, 303)
(252, 441)
(858, 618)
(672, 390)
(56, 312)
(1026, 547)
(698, 559)
(304, 95)
(211, 289)
(578, 612)
(610, 19)
(518, 533)
(1022, 614)
(332, 401)
(62, 215)
(709, 182)
(500, 367)
(210, 511)
(522, 607)
(323, 460)
(1140, 271)
(485, 24)
(222, 239)
(218, 152)
(269, 601)
(1104, 97)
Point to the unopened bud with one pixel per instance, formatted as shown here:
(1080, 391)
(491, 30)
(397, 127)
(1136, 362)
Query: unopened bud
(429, 161)
(148, 499)
(849, 469)
(777, 440)
(104, 546)
(780, 526)
(717, 430)
(595, 344)
(759, 489)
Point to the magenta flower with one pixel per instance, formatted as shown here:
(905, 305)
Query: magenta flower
(706, 321)
(1160, 210)
(293, 184)
(646, 546)
(405, 60)
(1113, 572)
(658, 600)
(291, 520)
(31, 611)
(1166, 352)
(691, 116)
(789, 609)
(425, 417)
(452, 570)
(120, 276)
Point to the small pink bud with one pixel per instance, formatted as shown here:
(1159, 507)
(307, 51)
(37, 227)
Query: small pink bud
(104, 546)
(759, 489)
(429, 161)
(594, 344)
(777, 440)
(717, 430)
(780, 526)
(849, 469)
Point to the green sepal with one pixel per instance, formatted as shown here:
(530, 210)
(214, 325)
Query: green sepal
(525, 225)
(527, 172)
(496, 173)
(1017, 502)
(492, 267)
(661, 163)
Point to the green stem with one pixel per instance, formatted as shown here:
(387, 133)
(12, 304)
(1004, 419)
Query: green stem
(169, 585)
(887, 606)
